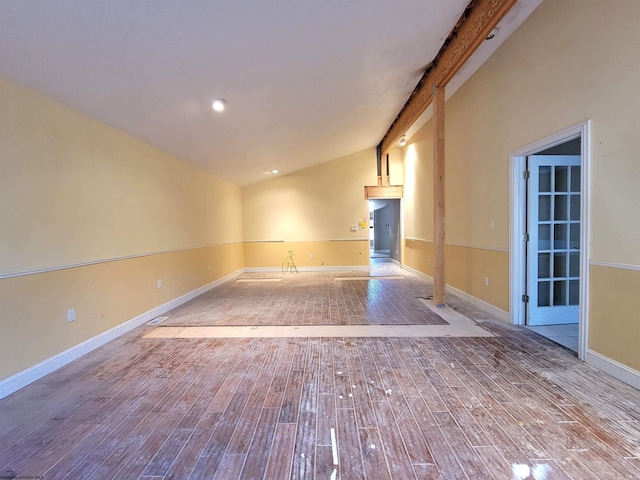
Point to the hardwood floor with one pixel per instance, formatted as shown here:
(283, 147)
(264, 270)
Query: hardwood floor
(314, 298)
(512, 406)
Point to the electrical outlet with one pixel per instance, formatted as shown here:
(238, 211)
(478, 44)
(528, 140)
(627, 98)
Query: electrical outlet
(71, 315)
(311, 255)
(209, 267)
(486, 281)
(159, 283)
(428, 262)
(491, 224)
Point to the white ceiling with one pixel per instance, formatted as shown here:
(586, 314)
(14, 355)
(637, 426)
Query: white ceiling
(305, 81)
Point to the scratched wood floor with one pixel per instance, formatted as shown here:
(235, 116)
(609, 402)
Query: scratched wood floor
(312, 298)
(515, 406)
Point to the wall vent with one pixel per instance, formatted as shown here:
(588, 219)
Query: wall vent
(157, 320)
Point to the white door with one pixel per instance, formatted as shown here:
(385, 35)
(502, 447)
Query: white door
(553, 250)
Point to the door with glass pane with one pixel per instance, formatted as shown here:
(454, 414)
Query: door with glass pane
(553, 250)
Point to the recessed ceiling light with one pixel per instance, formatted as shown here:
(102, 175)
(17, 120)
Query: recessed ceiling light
(274, 171)
(219, 104)
(403, 141)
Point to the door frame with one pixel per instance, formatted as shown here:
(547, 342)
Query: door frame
(400, 232)
(518, 222)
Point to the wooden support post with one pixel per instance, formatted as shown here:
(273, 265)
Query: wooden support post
(438, 195)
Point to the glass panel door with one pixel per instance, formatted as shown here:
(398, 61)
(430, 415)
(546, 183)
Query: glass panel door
(553, 250)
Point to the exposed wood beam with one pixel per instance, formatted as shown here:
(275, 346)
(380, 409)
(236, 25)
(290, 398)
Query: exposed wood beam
(438, 196)
(388, 191)
(479, 18)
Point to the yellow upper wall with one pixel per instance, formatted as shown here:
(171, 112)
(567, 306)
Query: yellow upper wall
(396, 166)
(570, 61)
(73, 190)
(418, 185)
(315, 204)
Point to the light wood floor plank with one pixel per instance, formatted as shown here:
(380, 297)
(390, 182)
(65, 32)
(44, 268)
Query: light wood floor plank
(348, 445)
(373, 457)
(280, 460)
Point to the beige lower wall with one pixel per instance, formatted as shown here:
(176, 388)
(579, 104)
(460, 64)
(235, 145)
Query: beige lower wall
(465, 269)
(338, 253)
(614, 321)
(104, 295)
(418, 254)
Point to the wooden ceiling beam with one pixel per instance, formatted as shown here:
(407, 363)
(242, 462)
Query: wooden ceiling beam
(478, 20)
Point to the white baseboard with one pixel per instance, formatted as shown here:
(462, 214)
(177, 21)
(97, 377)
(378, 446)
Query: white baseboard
(418, 273)
(492, 309)
(615, 369)
(323, 268)
(31, 374)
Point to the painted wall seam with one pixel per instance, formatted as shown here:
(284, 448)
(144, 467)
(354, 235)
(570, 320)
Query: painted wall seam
(479, 247)
(107, 260)
(461, 245)
(621, 266)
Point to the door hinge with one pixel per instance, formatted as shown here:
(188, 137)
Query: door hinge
(526, 174)
(525, 237)
(525, 298)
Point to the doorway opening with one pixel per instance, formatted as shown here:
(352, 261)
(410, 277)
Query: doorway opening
(384, 230)
(549, 244)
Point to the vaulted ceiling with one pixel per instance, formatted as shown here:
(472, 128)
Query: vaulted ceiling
(305, 81)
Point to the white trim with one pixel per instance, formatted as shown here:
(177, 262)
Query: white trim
(263, 241)
(309, 241)
(518, 222)
(262, 269)
(551, 141)
(621, 266)
(401, 241)
(492, 309)
(418, 273)
(462, 245)
(31, 374)
(348, 240)
(323, 268)
(518, 214)
(478, 247)
(585, 239)
(55, 268)
(67, 266)
(615, 369)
